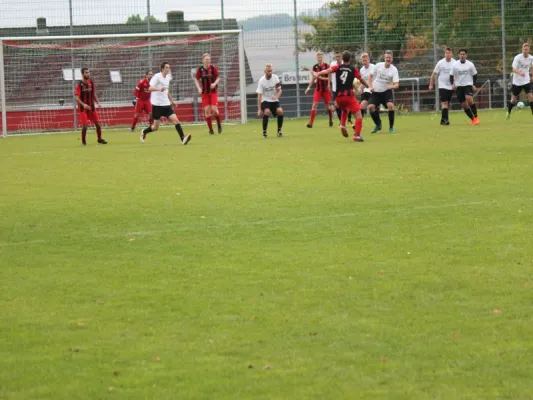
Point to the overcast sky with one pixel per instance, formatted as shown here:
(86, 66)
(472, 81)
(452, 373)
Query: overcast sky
(15, 13)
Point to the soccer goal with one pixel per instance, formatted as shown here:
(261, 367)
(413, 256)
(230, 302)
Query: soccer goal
(38, 76)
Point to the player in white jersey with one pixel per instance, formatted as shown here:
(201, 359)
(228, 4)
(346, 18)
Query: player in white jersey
(333, 77)
(522, 78)
(162, 104)
(381, 83)
(268, 93)
(443, 69)
(366, 70)
(463, 77)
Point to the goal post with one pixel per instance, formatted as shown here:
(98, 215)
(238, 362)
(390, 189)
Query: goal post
(37, 76)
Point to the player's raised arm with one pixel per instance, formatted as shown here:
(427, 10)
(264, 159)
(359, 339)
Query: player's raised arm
(328, 71)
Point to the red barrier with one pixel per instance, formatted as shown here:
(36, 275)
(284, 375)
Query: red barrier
(63, 118)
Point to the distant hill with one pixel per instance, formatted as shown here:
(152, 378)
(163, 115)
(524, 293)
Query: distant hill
(262, 22)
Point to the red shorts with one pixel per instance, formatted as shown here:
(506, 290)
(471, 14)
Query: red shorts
(85, 116)
(348, 103)
(143, 105)
(210, 99)
(322, 95)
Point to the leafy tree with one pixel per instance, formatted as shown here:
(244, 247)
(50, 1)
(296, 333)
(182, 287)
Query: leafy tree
(137, 19)
(391, 25)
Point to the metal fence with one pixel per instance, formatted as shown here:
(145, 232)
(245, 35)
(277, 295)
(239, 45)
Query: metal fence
(288, 33)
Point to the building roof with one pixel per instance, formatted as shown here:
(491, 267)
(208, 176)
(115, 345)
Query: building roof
(176, 24)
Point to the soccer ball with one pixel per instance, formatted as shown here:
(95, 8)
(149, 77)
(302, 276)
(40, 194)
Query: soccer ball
(520, 104)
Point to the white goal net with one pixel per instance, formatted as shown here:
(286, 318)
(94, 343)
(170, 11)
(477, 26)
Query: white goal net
(38, 76)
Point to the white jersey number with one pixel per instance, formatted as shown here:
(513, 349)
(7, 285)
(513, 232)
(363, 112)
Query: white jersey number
(344, 76)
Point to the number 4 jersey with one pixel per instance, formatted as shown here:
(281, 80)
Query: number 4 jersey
(345, 75)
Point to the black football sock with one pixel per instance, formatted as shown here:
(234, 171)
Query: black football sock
(391, 118)
(531, 106)
(468, 112)
(350, 117)
(510, 107)
(474, 110)
(445, 114)
(339, 112)
(376, 118)
(148, 129)
(363, 112)
(280, 122)
(180, 130)
(265, 122)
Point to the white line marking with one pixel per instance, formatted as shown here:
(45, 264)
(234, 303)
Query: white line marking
(182, 228)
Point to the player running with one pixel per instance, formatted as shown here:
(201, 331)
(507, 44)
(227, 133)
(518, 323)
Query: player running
(522, 78)
(346, 101)
(382, 82)
(162, 104)
(366, 70)
(142, 99)
(463, 77)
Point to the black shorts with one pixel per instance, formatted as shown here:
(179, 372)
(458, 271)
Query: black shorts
(527, 88)
(463, 91)
(378, 98)
(365, 96)
(445, 95)
(162, 111)
(271, 105)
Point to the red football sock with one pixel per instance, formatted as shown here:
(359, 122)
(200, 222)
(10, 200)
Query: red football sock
(344, 116)
(134, 123)
(83, 134)
(330, 114)
(99, 133)
(217, 117)
(312, 117)
(209, 123)
(358, 126)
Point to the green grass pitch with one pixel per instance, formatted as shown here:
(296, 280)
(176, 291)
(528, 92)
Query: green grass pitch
(237, 267)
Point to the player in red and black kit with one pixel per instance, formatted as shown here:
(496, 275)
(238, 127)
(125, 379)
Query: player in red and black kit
(86, 98)
(207, 79)
(345, 75)
(142, 99)
(321, 90)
